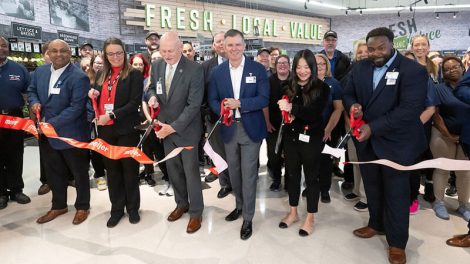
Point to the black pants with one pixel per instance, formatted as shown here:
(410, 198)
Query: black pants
(415, 177)
(153, 148)
(98, 164)
(59, 164)
(388, 198)
(42, 166)
(326, 169)
(306, 155)
(275, 161)
(11, 160)
(123, 174)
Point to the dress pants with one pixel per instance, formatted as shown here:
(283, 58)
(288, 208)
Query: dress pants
(59, 164)
(153, 148)
(218, 146)
(275, 161)
(307, 155)
(242, 158)
(123, 174)
(11, 160)
(185, 179)
(388, 198)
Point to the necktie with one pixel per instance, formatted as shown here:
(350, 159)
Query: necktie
(168, 79)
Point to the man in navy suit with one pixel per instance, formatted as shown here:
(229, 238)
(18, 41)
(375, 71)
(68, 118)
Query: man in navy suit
(388, 91)
(59, 93)
(243, 86)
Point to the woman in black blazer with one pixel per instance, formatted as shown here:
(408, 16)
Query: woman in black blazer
(303, 138)
(118, 91)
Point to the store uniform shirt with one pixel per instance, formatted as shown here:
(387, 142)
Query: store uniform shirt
(107, 97)
(335, 94)
(14, 80)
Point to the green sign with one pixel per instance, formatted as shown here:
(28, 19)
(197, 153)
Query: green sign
(400, 43)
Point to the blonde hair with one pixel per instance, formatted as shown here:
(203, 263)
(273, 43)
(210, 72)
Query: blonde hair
(327, 61)
(357, 45)
(433, 71)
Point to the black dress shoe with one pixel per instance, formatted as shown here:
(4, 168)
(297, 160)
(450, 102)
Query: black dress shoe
(114, 220)
(224, 191)
(325, 197)
(347, 185)
(20, 198)
(150, 181)
(3, 201)
(134, 217)
(304, 193)
(246, 230)
(275, 187)
(233, 215)
(210, 178)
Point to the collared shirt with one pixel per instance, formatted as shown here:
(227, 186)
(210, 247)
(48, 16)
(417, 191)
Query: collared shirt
(14, 79)
(236, 75)
(167, 70)
(220, 59)
(55, 75)
(332, 60)
(380, 71)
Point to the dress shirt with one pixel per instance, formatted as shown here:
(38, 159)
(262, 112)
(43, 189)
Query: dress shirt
(55, 75)
(380, 71)
(236, 75)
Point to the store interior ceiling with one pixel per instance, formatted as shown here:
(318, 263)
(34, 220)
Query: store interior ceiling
(330, 8)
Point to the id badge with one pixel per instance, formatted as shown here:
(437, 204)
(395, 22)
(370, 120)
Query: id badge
(391, 78)
(108, 108)
(159, 88)
(251, 79)
(304, 138)
(55, 90)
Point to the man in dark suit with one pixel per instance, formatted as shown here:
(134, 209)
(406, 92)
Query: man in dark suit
(178, 87)
(388, 91)
(59, 93)
(243, 86)
(211, 118)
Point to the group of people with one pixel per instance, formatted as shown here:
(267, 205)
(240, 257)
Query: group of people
(408, 117)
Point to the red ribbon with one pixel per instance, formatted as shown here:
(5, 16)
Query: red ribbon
(95, 106)
(154, 113)
(285, 114)
(355, 124)
(225, 113)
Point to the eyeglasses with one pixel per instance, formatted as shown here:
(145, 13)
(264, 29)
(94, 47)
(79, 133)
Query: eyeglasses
(115, 54)
(453, 68)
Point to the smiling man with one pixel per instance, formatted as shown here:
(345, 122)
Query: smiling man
(242, 85)
(340, 63)
(389, 92)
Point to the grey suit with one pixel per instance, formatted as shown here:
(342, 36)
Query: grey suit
(181, 110)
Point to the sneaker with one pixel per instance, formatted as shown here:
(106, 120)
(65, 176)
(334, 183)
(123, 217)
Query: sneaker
(451, 191)
(360, 207)
(465, 212)
(170, 191)
(101, 184)
(164, 190)
(414, 207)
(440, 210)
(275, 187)
(351, 197)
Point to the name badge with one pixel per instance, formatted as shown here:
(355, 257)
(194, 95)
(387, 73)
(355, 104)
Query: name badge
(391, 75)
(304, 138)
(108, 108)
(159, 88)
(251, 79)
(55, 90)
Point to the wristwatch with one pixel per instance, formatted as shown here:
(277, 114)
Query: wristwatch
(112, 116)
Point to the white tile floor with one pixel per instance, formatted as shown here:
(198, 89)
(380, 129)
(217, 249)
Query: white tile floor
(155, 240)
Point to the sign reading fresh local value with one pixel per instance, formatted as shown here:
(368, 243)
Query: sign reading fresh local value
(70, 38)
(26, 31)
(192, 18)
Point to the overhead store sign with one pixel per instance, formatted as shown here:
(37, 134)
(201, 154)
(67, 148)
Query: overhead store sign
(191, 18)
(70, 38)
(26, 31)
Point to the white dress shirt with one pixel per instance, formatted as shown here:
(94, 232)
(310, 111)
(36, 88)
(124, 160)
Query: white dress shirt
(236, 74)
(220, 59)
(55, 75)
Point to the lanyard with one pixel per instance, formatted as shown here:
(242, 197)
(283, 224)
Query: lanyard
(110, 85)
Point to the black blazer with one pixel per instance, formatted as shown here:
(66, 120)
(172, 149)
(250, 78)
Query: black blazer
(127, 101)
(208, 67)
(392, 111)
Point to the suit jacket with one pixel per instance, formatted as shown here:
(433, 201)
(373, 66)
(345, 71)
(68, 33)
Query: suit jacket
(253, 98)
(208, 67)
(182, 107)
(392, 111)
(126, 102)
(65, 111)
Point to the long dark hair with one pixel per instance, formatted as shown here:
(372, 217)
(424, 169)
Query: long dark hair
(312, 88)
(107, 68)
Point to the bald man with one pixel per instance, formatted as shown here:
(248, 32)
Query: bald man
(178, 87)
(58, 92)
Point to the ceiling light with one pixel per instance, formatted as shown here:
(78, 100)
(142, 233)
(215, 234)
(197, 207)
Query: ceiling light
(455, 15)
(437, 15)
(360, 12)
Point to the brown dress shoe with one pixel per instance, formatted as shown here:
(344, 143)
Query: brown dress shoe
(396, 255)
(43, 189)
(51, 215)
(365, 232)
(194, 224)
(459, 241)
(80, 216)
(177, 213)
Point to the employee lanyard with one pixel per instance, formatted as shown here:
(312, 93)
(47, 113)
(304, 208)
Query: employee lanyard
(110, 85)
(305, 129)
